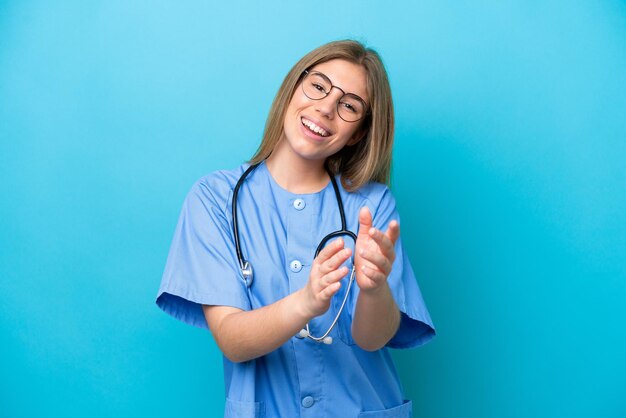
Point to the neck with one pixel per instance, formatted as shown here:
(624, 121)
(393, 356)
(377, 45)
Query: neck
(295, 174)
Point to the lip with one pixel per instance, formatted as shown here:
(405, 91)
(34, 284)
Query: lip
(312, 134)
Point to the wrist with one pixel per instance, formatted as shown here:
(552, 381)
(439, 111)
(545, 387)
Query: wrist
(301, 309)
(376, 292)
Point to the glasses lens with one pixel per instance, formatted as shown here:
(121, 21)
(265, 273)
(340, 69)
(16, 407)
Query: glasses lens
(316, 86)
(351, 108)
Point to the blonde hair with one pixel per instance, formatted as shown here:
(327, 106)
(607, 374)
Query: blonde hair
(370, 158)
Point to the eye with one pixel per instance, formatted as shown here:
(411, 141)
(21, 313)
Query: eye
(349, 107)
(318, 87)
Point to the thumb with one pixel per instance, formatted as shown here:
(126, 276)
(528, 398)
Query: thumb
(365, 221)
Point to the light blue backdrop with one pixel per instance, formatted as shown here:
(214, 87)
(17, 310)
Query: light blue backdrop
(509, 171)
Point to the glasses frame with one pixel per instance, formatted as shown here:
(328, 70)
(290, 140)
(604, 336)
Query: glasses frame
(306, 73)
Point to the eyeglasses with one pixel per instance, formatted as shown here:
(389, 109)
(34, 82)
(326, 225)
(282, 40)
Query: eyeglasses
(317, 86)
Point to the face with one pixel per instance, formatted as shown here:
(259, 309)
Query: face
(313, 130)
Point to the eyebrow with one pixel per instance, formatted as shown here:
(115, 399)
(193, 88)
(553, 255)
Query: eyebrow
(342, 90)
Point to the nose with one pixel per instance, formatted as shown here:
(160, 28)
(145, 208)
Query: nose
(328, 105)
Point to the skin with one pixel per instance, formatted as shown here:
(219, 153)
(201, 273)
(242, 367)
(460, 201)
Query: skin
(297, 164)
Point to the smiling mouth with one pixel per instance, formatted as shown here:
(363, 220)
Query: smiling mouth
(314, 128)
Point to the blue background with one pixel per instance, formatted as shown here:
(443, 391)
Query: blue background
(509, 173)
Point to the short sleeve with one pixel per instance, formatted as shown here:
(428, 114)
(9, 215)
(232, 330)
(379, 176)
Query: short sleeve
(201, 267)
(416, 327)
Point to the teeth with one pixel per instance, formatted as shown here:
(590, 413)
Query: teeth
(314, 127)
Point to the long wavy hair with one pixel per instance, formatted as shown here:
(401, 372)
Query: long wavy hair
(370, 158)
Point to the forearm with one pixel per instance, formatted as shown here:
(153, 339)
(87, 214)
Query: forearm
(376, 318)
(246, 335)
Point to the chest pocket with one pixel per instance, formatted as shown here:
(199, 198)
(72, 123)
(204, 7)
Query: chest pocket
(402, 411)
(241, 409)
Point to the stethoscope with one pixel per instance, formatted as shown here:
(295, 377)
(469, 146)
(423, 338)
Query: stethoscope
(246, 267)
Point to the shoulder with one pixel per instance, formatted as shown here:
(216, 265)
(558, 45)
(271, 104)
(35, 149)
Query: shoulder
(216, 187)
(375, 194)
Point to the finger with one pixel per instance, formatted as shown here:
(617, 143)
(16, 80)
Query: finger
(330, 250)
(336, 260)
(393, 231)
(334, 276)
(384, 243)
(373, 275)
(329, 291)
(365, 220)
(378, 260)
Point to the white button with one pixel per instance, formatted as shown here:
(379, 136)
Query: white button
(308, 401)
(299, 204)
(295, 266)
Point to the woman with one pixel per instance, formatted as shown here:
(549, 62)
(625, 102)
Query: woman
(332, 119)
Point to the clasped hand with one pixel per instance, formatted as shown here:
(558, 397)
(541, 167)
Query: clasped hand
(375, 254)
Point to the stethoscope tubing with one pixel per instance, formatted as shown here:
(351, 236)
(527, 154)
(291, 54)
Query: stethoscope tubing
(246, 267)
(343, 302)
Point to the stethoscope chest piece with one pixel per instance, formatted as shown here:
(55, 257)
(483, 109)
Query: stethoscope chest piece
(248, 274)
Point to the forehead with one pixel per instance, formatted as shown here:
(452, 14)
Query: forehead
(350, 77)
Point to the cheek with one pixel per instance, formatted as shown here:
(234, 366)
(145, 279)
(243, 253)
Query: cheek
(295, 103)
(290, 113)
(349, 134)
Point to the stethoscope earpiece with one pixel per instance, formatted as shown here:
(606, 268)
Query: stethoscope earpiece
(328, 340)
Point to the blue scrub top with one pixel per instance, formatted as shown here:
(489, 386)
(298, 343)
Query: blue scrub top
(279, 233)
